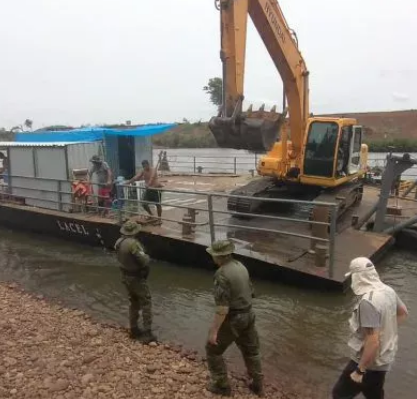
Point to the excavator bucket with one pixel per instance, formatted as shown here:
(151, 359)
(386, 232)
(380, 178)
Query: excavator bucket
(253, 131)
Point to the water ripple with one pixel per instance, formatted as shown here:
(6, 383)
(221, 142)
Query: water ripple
(301, 331)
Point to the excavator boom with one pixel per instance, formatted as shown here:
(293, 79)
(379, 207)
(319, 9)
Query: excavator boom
(259, 130)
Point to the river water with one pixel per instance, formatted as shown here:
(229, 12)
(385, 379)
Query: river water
(303, 333)
(224, 160)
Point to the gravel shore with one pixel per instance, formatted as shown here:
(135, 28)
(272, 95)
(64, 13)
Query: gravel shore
(48, 351)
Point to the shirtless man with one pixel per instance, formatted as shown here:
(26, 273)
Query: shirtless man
(150, 176)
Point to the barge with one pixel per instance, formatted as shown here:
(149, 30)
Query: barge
(275, 248)
(283, 242)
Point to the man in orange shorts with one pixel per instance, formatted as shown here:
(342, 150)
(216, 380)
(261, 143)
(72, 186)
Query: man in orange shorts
(104, 181)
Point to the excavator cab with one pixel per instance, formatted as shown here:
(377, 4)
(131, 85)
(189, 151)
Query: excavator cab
(320, 149)
(254, 131)
(332, 148)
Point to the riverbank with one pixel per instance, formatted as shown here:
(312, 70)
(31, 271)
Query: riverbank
(382, 130)
(49, 351)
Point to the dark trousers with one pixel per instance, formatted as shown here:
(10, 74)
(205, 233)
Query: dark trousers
(139, 300)
(372, 386)
(239, 329)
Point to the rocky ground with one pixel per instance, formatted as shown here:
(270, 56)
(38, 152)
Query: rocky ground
(47, 351)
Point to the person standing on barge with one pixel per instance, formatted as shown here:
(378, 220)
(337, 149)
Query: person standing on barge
(151, 194)
(104, 181)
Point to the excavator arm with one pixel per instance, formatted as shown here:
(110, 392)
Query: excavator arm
(258, 130)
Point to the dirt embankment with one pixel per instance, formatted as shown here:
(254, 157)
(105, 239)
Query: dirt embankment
(386, 125)
(378, 126)
(47, 351)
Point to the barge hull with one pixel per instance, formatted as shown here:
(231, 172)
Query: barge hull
(185, 252)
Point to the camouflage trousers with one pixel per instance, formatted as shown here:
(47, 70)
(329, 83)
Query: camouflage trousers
(241, 330)
(139, 300)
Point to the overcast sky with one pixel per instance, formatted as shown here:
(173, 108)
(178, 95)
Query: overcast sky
(107, 61)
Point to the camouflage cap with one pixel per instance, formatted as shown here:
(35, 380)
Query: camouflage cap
(221, 248)
(95, 158)
(130, 228)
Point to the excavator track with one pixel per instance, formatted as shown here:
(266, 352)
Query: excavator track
(255, 188)
(345, 196)
(266, 187)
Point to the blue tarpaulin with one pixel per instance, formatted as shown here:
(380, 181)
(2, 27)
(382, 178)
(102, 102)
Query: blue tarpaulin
(89, 134)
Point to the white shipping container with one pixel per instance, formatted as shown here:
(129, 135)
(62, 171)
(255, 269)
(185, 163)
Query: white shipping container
(52, 165)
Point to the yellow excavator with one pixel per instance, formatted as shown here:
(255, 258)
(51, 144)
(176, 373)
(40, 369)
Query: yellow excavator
(320, 158)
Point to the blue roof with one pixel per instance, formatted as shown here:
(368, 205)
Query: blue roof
(89, 134)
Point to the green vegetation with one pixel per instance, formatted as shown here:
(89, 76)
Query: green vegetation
(198, 135)
(193, 135)
(55, 128)
(186, 135)
(215, 90)
(6, 135)
(396, 145)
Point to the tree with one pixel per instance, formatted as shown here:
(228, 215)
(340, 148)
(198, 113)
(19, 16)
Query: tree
(28, 124)
(215, 90)
(17, 128)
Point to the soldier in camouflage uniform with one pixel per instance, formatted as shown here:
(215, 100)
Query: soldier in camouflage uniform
(134, 265)
(234, 321)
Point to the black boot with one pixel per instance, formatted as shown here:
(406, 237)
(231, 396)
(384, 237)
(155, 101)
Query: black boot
(218, 390)
(257, 388)
(135, 333)
(148, 337)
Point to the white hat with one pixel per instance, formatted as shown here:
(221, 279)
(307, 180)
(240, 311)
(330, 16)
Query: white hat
(358, 265)
(364, 276)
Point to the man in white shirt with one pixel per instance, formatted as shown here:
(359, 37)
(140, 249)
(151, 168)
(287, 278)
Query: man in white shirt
(374, 334)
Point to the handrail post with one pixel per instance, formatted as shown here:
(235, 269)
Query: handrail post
(119, 207)
(194, 163)
(60, 195)
(235, 166)
(333, 220)
(211, 218)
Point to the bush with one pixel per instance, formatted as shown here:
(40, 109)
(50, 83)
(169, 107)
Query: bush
(198, 135)
(399, 145)
(187, 135)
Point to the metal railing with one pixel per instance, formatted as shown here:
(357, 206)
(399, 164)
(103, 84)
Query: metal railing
(212, 164)
(246, 164)
(378, 162)
(208, 215)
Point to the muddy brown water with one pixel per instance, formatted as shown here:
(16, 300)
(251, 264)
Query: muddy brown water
(303, 333)
(226, 160)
